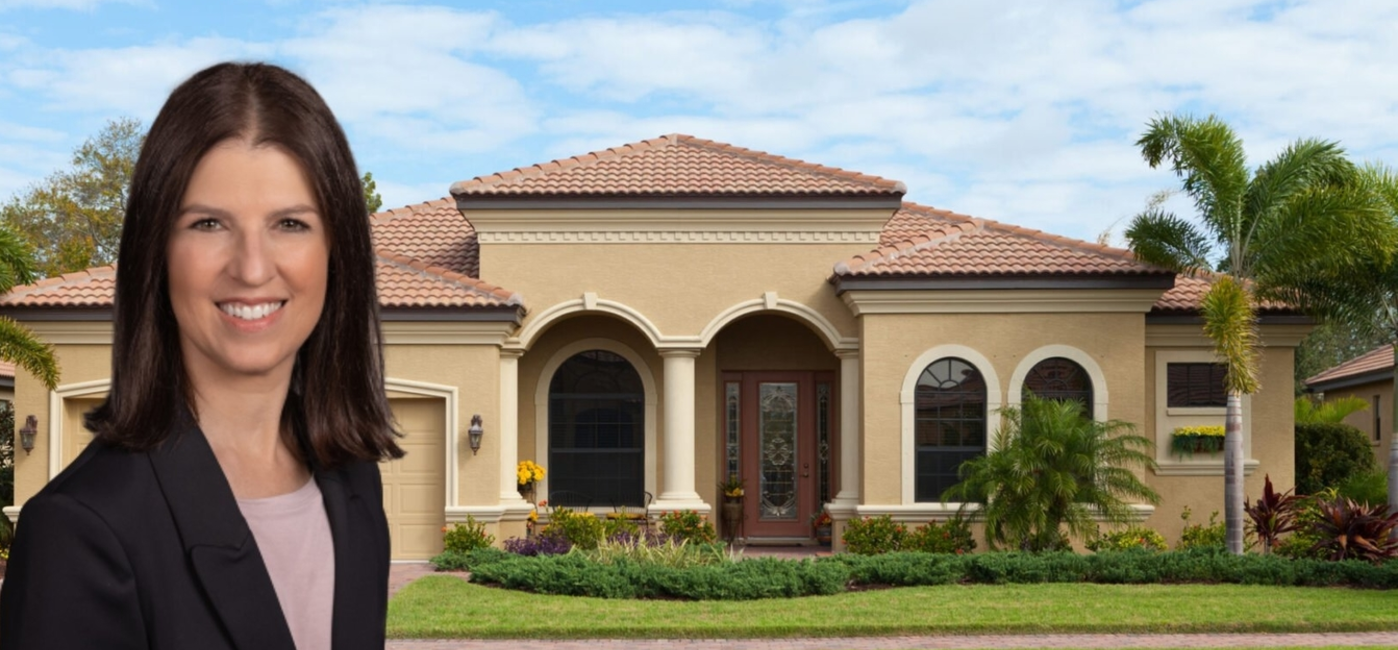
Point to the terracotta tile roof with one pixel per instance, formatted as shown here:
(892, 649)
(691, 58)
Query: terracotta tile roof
(1378, 359)
(920, 241)
(677, 165)
(406, 282)
(434, 233)
(90, 288)
(1189, 293)
(7, 369)
(403, 282)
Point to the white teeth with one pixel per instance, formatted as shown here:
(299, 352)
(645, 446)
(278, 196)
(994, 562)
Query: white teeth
(250, 312)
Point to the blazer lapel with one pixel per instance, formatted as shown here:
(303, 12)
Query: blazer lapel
(354, 615)
(218, 541)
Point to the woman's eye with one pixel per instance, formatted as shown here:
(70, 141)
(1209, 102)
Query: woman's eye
(205, 224)
(293, 224)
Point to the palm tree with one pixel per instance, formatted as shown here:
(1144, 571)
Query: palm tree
(1260, 235)
(17, 343)
(1052, 466)
(1366, 297)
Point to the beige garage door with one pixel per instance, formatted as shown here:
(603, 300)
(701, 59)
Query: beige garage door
(414, 491)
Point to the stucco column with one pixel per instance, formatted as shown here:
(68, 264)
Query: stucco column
(677, 491)
(843, 508)
(509, 435)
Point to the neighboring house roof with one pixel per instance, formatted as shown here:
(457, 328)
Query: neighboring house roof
(433, 233)
(676, 166)
(924, 242)
(1374, 365)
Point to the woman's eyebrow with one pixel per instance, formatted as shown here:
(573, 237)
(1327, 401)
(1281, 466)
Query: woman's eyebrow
(198, 208)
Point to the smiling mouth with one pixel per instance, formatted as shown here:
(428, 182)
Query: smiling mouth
(250, 312)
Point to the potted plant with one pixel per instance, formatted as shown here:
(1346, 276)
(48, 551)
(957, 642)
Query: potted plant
(821, 523)
(1187, 441)
(732, 509)
(529, 474)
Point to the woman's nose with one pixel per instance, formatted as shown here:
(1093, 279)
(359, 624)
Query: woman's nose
(253, 262)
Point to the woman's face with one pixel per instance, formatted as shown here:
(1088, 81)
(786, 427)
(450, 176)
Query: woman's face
(248, 262)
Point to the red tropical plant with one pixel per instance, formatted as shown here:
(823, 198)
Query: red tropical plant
(1351, 531)
(1272, 515)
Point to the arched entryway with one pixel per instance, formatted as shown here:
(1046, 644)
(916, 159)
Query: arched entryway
(596, 432)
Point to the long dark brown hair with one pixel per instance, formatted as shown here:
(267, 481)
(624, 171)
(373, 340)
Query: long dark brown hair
(337, 410)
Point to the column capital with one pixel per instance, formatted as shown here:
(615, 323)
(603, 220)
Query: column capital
(690, 353)
(511, 353)
(847, 354)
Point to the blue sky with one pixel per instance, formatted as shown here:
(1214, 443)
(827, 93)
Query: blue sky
(1024, 112)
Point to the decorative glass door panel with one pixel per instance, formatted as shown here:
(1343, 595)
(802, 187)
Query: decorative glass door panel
(778, 444)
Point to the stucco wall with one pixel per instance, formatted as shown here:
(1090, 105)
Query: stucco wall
(893, 342)
(1269, 439)
(1364, 420)
(680, 288)
(79, 364)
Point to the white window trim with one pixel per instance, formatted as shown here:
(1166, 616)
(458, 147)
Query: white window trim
(993, 400)
(1166, 419)
(1100, 400)
(541, 404)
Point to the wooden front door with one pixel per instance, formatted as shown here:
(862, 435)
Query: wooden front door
(786, 444)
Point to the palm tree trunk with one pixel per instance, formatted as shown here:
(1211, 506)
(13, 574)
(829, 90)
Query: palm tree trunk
(1233, 472)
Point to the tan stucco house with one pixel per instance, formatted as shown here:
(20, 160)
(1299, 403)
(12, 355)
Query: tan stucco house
(1369, 377)
(646, 320)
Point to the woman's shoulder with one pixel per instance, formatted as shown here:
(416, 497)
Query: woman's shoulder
(102, 473)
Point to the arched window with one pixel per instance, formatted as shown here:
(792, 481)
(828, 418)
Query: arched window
(951, 424)
(1059, 378)
(596, 432)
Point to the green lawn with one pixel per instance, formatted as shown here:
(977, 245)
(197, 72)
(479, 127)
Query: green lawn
(448, 607)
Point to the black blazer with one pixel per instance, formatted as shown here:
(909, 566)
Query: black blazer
(149, 550)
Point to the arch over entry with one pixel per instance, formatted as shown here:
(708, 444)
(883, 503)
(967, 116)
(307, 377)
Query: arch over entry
(589, 303)
(769, 302)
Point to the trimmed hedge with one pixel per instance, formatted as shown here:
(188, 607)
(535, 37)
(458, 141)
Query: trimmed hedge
(1329, 453)
(575, 575)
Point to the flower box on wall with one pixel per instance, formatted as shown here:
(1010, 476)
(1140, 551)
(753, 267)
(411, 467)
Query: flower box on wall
(1187, 441)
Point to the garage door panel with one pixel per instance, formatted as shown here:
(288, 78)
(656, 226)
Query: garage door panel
(415, 485)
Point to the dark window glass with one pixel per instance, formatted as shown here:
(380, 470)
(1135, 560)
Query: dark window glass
(1195, 384)
(1061, 379)
(1378, 420)
(596, 432)
(951, 424)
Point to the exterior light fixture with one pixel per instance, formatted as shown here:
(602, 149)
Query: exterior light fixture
(475, 432)
(27, 433)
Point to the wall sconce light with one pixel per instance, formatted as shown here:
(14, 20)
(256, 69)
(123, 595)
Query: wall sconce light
(27, 433)
(475, 433)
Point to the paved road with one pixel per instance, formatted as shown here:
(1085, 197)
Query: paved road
(1375, 639)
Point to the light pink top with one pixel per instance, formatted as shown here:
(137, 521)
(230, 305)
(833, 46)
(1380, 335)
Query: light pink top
(293, 534)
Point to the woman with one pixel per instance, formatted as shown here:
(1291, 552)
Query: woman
(231, 497)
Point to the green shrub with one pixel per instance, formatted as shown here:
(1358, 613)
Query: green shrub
(904, 569)
(1301, 543)
(1369, 487)
(953, 536)
(874, 535)
(1327, 454)
(582, 529)
(1211, 535)
(621, 525)
(689, 526)
(1131, 537)
(1021, 567)
(464, 537)
(575, 575)
(668, 552)
(466, 560)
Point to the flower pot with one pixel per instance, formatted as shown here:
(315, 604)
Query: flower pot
(822, 534)
(732, 512)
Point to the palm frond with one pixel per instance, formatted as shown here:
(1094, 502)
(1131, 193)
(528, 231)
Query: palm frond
(1209, 157)
(1167, 241)
(1231, 323)
(1301, 167)
(21, 347)
(16, 260)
